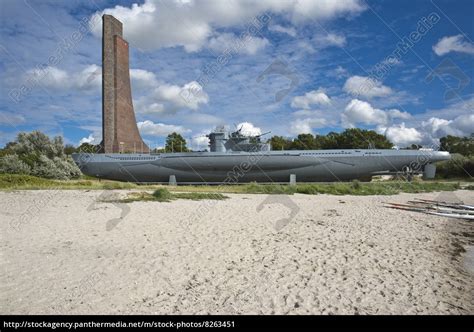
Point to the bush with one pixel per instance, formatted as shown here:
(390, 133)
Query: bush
(36, 154)
(356, 184)
(56, 168)
(68, 167)
(458, 166)
(162, 195)
(12, 164)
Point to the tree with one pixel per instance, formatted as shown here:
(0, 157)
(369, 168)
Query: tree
(349, 139)
(88, 148)
(175, 143)
(461, 145)
(280, 143)
(303, 142)
(330, 141)
(69, 149)
(355, 138)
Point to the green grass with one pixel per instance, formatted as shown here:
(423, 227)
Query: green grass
(163, 195)
(352, 188)
(28, 182)
(13, 181)
(16, 182)
(199, 196)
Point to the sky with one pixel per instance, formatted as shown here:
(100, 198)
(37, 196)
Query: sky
(403, 68)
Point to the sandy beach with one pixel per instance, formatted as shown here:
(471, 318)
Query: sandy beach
(67, 252)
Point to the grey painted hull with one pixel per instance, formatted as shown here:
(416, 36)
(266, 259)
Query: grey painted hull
(269, 166)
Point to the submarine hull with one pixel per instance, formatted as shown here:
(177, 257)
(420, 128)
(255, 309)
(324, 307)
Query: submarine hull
(241, 167)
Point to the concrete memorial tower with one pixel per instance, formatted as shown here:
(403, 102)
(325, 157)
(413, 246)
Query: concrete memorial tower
(119, 127)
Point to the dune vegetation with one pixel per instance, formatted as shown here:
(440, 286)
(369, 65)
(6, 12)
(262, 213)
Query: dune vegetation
(28, 182)
(164, 195)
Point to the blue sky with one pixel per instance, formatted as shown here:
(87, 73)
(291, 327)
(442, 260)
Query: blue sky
(332, 59)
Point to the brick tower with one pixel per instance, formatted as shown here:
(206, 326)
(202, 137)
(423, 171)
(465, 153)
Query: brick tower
(119, 127)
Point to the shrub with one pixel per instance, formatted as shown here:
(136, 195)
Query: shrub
(162, 195)
(35, 153)
(68, 167)
(12, 164)
(46, 168)
(356, 184)
(458, 166)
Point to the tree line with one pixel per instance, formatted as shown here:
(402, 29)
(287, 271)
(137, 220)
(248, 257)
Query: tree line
(353, 138)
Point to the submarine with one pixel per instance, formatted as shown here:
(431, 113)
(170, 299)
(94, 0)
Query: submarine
(237, 158)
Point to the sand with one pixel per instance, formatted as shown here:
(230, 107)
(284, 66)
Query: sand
(66, 252)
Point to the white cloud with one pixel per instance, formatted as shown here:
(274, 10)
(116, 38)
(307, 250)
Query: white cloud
(305, 126)
(142, 79)
(391, 61)
(168, 98)
(363, 86)
(453, 44)
(427, 128)
(278, 28)
(339, 72)
(428, 132)
(190, 95)
(162, 97)
(200, 141)
(358, 111)
(144, 106)
(90, 139)
(90, 78)
(396, 114)
(315, 97)
(148, 127)
(304, 9)
(464, 123)
(452, 110)
(229, 41)
(190, 24)
(249, 129)
(330, 39)
(460, 126)
(401, 135)
(95, 136)
(51, 77)
(305, 46)
(7, 118)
